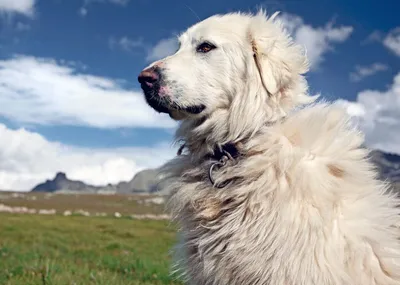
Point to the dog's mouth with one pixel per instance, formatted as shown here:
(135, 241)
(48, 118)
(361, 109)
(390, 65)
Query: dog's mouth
(152, 83)
(165, 105)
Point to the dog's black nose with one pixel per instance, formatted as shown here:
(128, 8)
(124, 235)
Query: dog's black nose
(149, 77)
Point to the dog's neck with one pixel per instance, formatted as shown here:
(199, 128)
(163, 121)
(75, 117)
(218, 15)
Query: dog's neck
(206, 139)
(241, 121)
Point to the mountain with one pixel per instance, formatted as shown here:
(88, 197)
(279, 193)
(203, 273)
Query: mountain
(61, 182)
(145, 181)
(388, 166)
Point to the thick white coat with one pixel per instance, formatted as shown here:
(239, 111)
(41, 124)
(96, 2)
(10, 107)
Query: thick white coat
(305, 206)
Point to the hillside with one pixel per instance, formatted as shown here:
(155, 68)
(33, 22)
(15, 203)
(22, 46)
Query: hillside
(142, 182)
(388, 166)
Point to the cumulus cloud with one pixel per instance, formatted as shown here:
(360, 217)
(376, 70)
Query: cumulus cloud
(378, 115)
(25, 7)
(46, 92)
(317, 40)
(163, 48)
(362, 72)
(27, 158)
(392, 41)
(125, 43)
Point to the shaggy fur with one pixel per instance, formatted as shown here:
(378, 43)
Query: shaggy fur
(305, 206)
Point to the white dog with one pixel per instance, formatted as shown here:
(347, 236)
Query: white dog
(267, 192)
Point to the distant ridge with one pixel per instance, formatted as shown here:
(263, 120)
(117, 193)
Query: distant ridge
(61, 182)
(144, 181)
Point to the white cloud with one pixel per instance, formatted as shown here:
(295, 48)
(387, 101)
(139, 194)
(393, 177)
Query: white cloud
(25, 7)
(378, 115)
(46, 92)
(27, 158)
(317, 41)
(125, 43)
(162, 49)
(366, 71)
(392, 41)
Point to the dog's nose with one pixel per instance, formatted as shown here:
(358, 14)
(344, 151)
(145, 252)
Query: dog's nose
(149, 77)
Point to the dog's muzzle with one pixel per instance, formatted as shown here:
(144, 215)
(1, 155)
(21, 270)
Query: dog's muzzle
(150, 81)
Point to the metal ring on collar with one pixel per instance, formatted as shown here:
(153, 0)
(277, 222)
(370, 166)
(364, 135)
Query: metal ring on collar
(210, 174)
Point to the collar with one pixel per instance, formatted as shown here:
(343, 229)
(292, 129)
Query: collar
(229, 150)
(219, 157)
(221, 154)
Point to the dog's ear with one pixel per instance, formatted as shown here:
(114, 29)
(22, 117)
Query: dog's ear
(279, 62)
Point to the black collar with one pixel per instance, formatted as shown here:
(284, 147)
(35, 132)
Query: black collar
(220, 155)
(219, 151)
(229, 149)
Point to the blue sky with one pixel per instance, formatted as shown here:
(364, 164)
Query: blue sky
(68, 72)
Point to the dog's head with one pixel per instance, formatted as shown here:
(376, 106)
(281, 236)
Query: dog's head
(226, 58)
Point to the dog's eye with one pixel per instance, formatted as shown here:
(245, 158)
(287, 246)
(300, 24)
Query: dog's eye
(205, 47)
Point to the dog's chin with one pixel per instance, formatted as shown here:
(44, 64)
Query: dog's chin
(178, 115)
(157, 105)
(174, 110)
(181, 113)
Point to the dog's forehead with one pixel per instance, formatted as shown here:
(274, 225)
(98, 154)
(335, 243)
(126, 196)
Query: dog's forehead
(216, 28)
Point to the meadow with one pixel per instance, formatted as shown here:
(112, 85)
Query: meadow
(92, 203)
(76, 249)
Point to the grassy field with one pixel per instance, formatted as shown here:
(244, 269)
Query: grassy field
(53, 249)
(109, 204)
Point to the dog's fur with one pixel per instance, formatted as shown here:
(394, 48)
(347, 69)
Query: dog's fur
(305, 205)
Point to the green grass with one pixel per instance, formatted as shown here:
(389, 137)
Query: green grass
(124, 204)
(37, 249)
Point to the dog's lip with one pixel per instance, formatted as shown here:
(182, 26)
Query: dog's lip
(194, 110)
(197, 109)
(182, 113)
(168, 108)
(161, 105)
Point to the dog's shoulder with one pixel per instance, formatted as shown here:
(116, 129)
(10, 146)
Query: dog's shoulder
(317, 150)
(323, 129)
